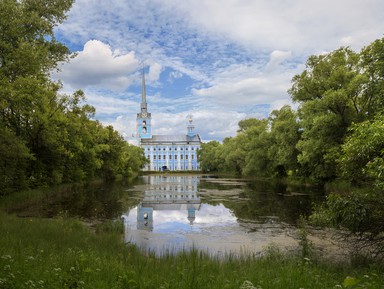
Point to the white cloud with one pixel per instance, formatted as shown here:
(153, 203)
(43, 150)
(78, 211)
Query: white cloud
(98, 65)
(154, 72)
(241, 87)
(239, 56)
(276, 59)
(298, 25)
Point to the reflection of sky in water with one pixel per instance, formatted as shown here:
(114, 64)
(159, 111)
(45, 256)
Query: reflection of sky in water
(172, 221)
(171, 218)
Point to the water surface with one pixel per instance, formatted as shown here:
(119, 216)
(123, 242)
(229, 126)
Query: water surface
(217, 215)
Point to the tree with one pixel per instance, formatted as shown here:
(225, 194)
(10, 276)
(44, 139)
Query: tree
(328, 92)
(363, 152)
(28, 52)
(208, 156)
(47, 137)
(285, 134)
(371, 99)
(256, 141)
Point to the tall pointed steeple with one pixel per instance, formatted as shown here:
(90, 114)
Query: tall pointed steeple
(143, 93)
(143, 120)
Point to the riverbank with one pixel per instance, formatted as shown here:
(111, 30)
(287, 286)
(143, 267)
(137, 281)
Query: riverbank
(64, 253)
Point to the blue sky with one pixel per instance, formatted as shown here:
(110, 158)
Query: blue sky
(220, 60)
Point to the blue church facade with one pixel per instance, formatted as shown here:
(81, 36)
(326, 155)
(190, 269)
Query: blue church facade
(166, 152)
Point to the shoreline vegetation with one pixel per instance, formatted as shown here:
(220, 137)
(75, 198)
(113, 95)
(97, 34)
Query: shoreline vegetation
(64, 253)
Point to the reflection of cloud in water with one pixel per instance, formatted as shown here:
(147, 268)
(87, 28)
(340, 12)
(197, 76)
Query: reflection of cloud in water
(217, 215)
(177, 221)
(215, 230)
(173, 221)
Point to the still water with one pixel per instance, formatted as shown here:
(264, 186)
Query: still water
(169, 213)
(217, 215)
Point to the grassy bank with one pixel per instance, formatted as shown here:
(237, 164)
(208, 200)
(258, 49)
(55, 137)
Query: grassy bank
(63, 253)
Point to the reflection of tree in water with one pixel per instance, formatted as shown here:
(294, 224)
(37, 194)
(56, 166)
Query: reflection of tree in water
(260, 198)
(96, 200)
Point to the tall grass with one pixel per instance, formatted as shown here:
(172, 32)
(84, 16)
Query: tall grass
(62, 253)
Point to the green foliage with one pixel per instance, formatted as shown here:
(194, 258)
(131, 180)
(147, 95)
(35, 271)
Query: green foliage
(328, 95)
(284, 135)
(47, 138)
(363, 152)
(335, 92)
(207, 155)
(62, 253)
(260, 148)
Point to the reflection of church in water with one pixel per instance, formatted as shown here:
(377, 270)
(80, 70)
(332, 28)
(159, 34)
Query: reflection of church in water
(168, 193)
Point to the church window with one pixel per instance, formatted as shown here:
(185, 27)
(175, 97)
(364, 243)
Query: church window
(170, 157)
(154, 157)
(181, 157)
(164, 157)
(154, 149)
(175, 157)
(144, 129)
(193, 156)
(186, 149)
(186, 157)
(163, 149)
(193, 148)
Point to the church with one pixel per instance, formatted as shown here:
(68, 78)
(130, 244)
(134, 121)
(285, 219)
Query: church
(166, 152)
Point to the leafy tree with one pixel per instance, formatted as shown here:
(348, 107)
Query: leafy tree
(28, 52)
(363, 152)
(46, 137)
(284, 135)
(327, 92)
(256, 143)
(208, 158)
(371, 99)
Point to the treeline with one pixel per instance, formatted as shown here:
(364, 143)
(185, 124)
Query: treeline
(336, 131)
(47, 137)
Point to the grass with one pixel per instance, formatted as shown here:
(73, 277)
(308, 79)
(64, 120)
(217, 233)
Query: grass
(63, 253)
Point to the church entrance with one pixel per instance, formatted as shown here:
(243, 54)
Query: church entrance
(164, 168)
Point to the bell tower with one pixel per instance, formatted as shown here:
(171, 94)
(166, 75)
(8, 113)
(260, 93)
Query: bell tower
(143, 119)
(190, 126)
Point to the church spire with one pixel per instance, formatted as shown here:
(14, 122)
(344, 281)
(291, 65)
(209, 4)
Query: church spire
(143, 93)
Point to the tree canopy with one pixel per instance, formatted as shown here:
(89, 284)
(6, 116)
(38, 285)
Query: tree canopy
(47, 137)
(335, 92)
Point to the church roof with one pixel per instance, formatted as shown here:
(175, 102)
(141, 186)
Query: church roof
(171, 138)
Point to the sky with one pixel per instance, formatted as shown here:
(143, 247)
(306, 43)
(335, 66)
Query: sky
(220, 61)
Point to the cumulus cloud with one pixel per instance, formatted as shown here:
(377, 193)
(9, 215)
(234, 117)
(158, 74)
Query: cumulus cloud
(154, 72)
(287, 25)
(98, 65)
(241, 87)
(236, 58)
(277, 57)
